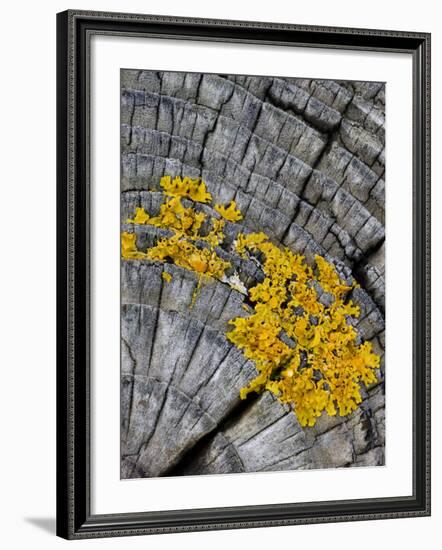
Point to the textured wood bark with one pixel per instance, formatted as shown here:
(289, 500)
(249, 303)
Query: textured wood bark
(304, 161)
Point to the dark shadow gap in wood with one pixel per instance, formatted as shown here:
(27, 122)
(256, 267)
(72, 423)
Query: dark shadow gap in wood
(178, 468)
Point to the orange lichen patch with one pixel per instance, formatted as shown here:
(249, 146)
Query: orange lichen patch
(324, 368)
(230, 212)
(194, 189)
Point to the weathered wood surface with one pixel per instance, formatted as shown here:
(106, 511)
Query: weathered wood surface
(304, 161)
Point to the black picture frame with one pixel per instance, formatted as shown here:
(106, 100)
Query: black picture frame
(74, 518)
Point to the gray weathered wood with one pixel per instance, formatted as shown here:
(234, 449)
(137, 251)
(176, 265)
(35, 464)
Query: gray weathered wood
(305, 162)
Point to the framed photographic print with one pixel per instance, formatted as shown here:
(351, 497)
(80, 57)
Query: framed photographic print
(243, 274)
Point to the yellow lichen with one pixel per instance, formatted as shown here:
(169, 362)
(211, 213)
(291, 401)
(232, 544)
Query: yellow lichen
(230, 213)
(183, 253)
(194, 189)
(196, 291)
(173, 215)
(129, 249)
(216, 235)
(166, 276)
(185, 223)
(306, 353)
(141, 217)
(318, 366)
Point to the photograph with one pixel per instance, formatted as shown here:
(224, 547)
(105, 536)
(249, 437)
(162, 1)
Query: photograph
(252, 291)
(222, 337)
(244, 306)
